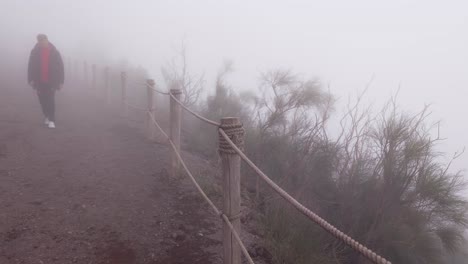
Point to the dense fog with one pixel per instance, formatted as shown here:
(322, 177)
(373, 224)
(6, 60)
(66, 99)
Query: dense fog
(398, 57)
(417, 48)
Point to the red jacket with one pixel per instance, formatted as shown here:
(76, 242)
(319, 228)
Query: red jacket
(55, 71)
(45, 58)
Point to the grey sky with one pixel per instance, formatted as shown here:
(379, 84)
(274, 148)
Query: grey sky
(420, 45)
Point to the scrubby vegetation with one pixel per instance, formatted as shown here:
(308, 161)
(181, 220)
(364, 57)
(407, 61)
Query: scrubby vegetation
(376, 174)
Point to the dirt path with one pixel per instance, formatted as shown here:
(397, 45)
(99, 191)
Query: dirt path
(94, 190)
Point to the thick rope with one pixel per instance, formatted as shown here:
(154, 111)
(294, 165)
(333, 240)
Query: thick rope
(145, 84)
(211, 122)
(305, 211)
(235, 132)
(200, 190)
(184, 165)
(156, 90)
(236, 236)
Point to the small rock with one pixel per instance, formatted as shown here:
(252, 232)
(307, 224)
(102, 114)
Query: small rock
(178, 236)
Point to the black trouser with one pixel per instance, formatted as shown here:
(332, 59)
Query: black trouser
(46, 95)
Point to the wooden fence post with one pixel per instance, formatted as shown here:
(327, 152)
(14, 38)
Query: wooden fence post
(107, 85)
(231, 165)
(150, 108)
(175, 119)
(93, 77)
(123, 79)
(85, 71)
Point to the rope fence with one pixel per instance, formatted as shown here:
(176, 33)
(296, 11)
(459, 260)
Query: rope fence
(200, 190)
(301, 208)
(156, 90)
(211, 122)
(231, 144)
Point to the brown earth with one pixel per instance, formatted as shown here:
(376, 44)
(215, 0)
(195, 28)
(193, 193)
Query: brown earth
(94, 190)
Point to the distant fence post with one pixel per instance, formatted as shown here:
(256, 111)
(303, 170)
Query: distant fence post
(85, 71)
(93, 76)
(123, 79)
(107, 85)
(150, 108)
(175, 119)
(231, 164)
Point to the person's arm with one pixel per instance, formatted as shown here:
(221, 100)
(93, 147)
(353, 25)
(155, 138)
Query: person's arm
(30, 70)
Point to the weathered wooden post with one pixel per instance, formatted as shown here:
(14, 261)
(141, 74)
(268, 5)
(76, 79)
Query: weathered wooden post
(123, 80)
(175, 119)
(150, 108)
(93, 77)
(231, 164)
(107, 85)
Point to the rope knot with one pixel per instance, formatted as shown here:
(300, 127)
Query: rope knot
(232, 217)
(236, 133)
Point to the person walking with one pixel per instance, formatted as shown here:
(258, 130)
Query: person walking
(46, 75)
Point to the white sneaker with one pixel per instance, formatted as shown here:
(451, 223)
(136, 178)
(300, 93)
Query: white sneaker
(46, 122)
(51, 124)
